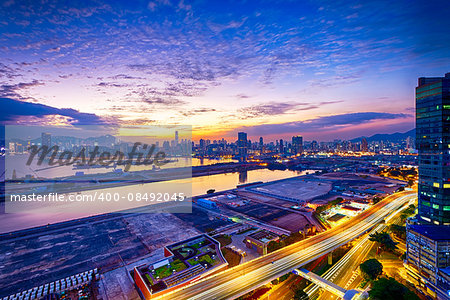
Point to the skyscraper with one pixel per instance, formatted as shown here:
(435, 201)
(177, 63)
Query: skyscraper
(297, 144)
(46, 139)
(433, 145)
(242, 146)
(314, 146)
(364, 145)
(176, 137)
(428, 234)
(281, 146)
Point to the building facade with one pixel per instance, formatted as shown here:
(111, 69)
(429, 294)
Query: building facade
(46, 139)
(364, 145)
(260, 240)
(297, 144)
(433, 145)
(428, 233)
(242, 146)
(428, 249)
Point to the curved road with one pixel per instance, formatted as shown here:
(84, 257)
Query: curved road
(239, 280)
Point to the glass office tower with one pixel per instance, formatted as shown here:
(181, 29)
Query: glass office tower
(433, 144)
(297, 144)
(242, 145)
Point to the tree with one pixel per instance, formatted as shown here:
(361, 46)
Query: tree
(376, 199)
(284, 277)
(398, 230)
(371, 269)
(390, 289)
(384, 240)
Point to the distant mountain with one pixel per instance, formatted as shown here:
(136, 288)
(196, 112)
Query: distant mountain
(388, 137)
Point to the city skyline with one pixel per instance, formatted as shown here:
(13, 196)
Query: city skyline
(322, 70)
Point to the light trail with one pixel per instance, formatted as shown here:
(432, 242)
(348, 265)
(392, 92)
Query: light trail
(312, 289)
(239, 280)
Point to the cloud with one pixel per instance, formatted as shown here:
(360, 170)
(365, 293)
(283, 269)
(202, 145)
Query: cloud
(242, 96)
(320, 123)
(269, 109)
(7, 72)
(13, 110)
(183, 50)
(167, 96)
(233, 24)
(153, 5)
(125, 76)
(279, 108)
(196, 111)
(163, 101)
(12, 90)
(111, 84)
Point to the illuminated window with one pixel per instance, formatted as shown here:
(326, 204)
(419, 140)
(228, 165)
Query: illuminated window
(435, 206)
(436, 184)
(446, 207)
(446, 185)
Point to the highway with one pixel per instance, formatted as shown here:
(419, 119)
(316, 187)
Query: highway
(345, 271)
(237, 281)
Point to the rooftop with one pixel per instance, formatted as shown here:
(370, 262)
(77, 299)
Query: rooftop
(347, 207)
(263, 236)
(434, 232)
(336, 217)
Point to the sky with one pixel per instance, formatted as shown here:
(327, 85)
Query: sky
(322, 69)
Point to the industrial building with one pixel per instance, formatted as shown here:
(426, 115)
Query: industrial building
(207, 203)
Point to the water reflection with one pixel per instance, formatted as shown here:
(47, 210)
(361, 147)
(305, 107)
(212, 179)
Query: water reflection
(243, 177)
(62, 212)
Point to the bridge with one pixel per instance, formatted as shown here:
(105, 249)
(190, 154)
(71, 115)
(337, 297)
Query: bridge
(329, 286)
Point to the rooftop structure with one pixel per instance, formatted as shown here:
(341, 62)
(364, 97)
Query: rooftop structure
(184, 262)
(260, 240)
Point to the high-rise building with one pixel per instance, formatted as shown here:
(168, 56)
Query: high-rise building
(281, 146)
(46, 139)
(176, 137)
(261, 142)
(297, 144)
(428, 234)
(242, 146)
(364, 145)
(433, 145)
(428, 258)
(314, 146)
(409, 143)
